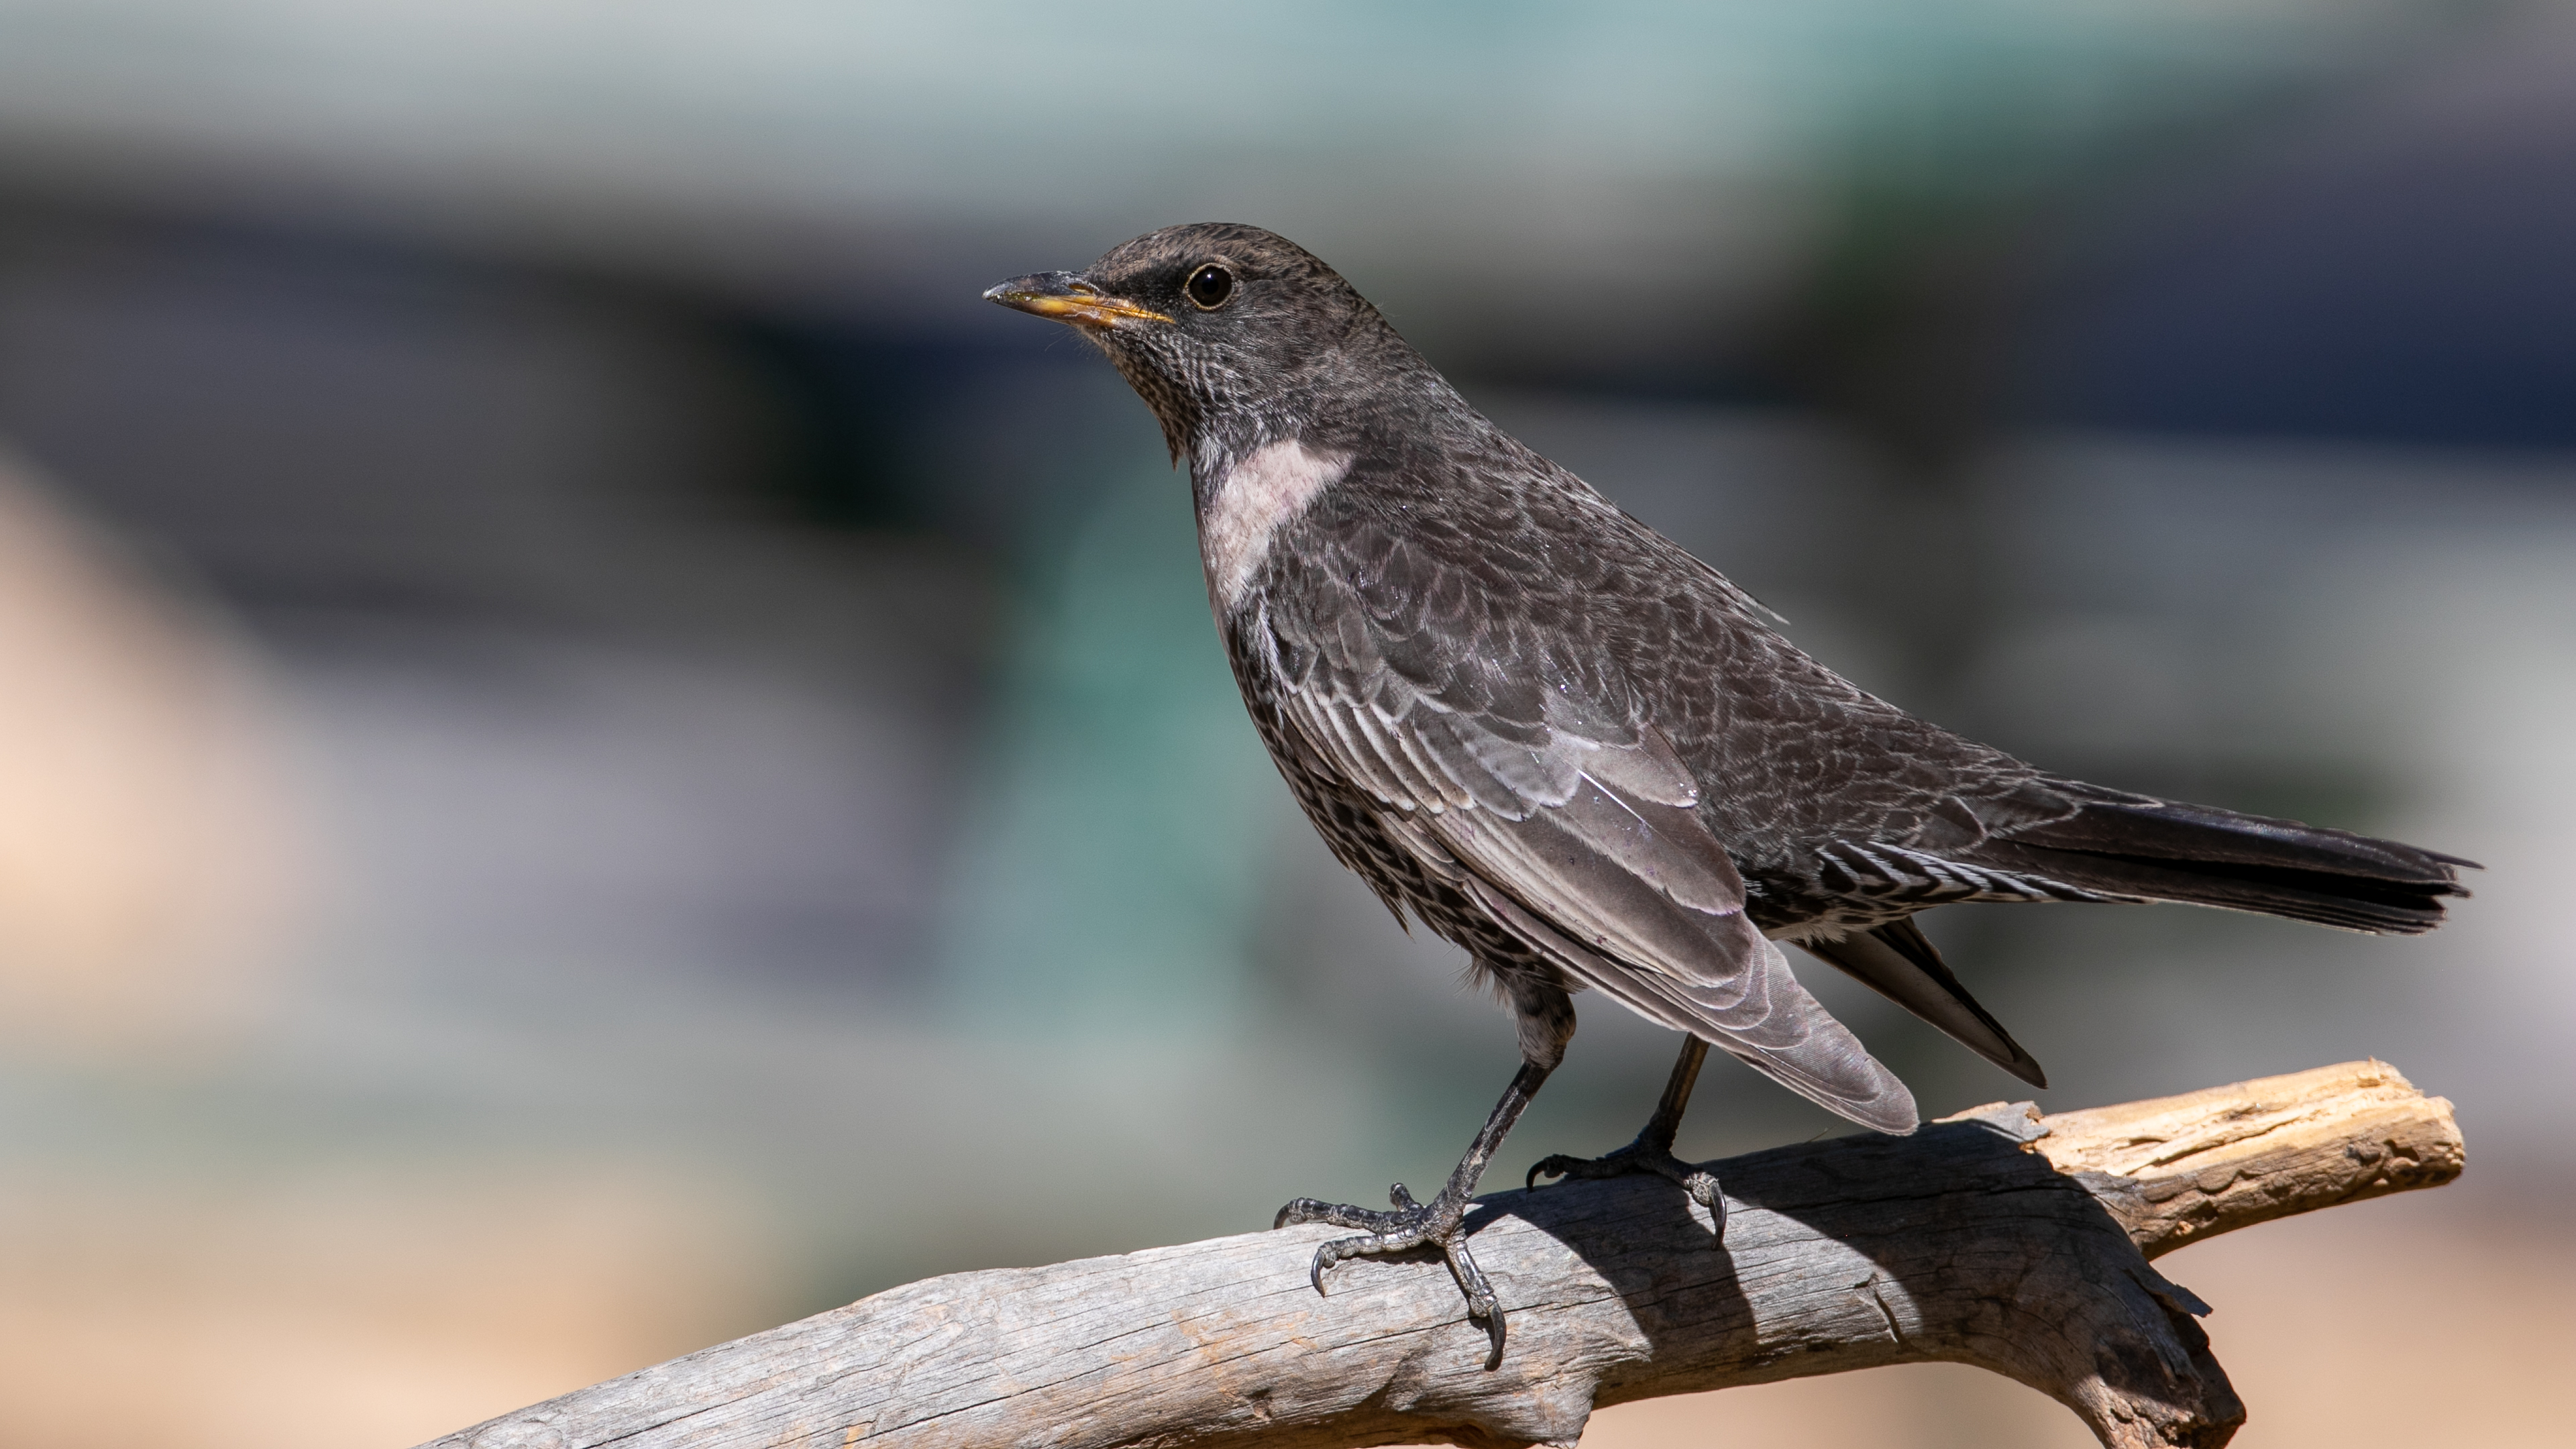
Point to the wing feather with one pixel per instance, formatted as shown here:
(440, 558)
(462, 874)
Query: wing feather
(1570, 820)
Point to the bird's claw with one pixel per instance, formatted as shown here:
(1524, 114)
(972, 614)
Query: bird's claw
(1439, 1223)
(1640, 1156)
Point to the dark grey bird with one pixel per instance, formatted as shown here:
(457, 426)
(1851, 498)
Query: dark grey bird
(1580, 753)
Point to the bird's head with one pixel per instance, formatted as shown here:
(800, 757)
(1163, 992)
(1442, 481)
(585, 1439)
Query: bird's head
(1233, 335)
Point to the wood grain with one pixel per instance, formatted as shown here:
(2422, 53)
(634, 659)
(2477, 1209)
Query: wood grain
(1999, 1238)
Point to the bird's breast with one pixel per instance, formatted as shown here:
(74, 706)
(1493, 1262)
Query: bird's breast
(1251, 499)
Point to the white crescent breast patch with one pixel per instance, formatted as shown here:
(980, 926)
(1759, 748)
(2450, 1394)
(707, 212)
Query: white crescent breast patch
(1263, 490)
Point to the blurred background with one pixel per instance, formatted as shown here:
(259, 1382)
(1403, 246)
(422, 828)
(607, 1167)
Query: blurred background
(595, 755)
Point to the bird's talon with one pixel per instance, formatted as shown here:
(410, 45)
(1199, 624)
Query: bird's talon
(1439, 1223)
(1645, 1156)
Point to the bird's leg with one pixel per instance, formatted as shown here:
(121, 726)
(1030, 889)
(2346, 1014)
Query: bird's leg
(1653, 1150)
(1436, 1223)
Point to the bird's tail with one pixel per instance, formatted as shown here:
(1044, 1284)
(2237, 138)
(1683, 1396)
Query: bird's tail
(2145, 849)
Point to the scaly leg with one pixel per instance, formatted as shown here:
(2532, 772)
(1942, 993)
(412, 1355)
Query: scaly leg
(1431, 1224)
(1653, 1150)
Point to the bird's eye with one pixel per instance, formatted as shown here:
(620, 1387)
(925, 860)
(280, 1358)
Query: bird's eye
(1209, 287)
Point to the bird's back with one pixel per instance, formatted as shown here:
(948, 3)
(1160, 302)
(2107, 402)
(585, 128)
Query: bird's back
(1499, 586)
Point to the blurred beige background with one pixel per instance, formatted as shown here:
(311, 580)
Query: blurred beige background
(595, 755)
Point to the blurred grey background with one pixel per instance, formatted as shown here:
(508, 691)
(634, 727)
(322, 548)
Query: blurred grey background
(595, 754)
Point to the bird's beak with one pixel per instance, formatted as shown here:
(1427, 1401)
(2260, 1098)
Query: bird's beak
(1068, 298)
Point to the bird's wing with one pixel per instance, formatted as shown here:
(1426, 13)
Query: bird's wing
(1532, 779)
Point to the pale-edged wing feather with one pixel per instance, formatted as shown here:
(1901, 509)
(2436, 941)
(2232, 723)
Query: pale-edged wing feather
(1536, 788)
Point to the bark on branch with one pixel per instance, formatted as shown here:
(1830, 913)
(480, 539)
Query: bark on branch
(1998, 1238)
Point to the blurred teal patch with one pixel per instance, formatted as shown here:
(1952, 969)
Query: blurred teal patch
(1109, 872)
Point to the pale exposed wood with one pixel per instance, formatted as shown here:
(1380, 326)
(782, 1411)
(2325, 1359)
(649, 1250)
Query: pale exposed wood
(2228, 1157)
(1998, 1238)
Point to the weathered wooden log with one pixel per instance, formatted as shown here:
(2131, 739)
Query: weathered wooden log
(1998, 1237)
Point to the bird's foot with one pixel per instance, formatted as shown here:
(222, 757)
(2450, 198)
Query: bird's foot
(1439, 1223)
(1646, 1155)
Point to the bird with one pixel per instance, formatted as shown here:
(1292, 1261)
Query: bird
(1555, 738)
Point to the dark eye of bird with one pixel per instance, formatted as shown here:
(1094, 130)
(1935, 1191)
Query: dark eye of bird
(1209, 287)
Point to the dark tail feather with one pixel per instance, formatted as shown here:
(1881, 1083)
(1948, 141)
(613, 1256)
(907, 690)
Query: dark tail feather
(2132, 846)
(1897, 962)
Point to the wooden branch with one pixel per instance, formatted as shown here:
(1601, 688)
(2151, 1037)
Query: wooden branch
(1998, 1238)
